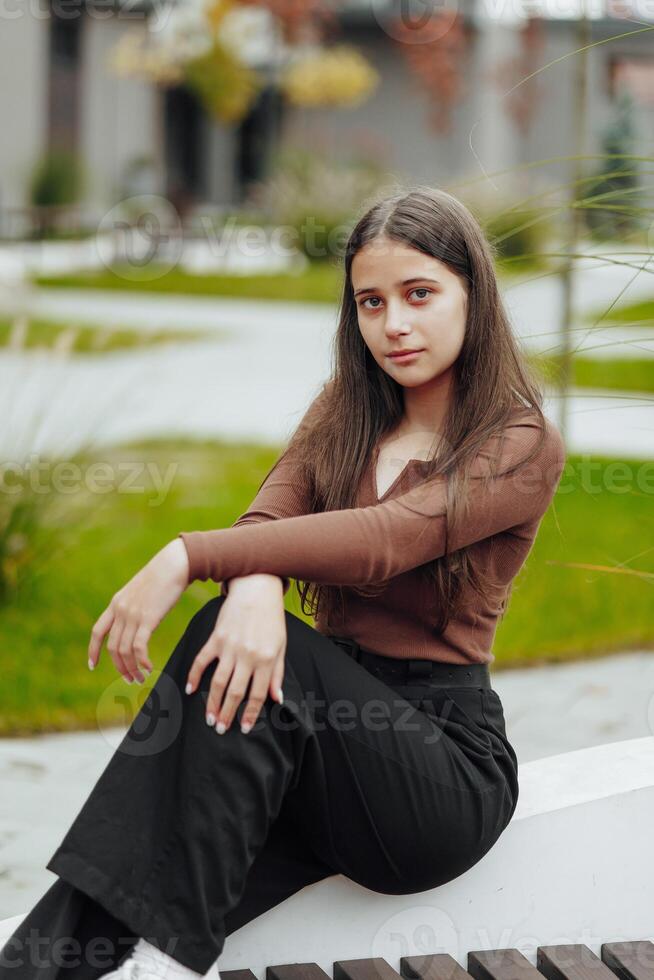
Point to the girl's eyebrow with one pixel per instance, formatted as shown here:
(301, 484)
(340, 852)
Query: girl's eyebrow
(404, 282)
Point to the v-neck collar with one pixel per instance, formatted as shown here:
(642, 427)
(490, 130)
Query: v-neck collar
(373, 475)
(372, 479)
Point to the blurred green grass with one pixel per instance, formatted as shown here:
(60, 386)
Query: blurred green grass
(556, 612)
(618, 374)
(94, 338)
(320, 282)
(640, 314)
(562, 611)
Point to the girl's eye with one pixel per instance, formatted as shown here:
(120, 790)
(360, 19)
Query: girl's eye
(418, 289)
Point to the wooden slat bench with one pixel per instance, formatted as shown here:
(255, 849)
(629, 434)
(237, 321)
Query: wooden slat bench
(566, 893)
(623, 960)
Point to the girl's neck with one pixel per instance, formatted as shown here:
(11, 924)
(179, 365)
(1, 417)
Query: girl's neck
(426, 407)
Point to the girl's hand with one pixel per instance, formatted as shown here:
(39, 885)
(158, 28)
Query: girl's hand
(137, 609)
(249, 641)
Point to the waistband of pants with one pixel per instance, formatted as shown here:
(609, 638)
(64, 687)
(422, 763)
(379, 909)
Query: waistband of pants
(412, 669)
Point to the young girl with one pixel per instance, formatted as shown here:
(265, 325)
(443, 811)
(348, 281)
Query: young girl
(271, 754)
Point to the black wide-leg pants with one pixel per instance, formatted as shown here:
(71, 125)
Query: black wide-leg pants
(188, 835)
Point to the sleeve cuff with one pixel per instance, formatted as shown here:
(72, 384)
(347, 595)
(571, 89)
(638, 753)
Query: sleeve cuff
(199, 567)
(199, 563)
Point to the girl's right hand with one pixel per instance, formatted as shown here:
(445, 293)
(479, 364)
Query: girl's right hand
(136, 610)
(249, 641)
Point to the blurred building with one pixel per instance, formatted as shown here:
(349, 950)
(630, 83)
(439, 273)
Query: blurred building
(57, 90)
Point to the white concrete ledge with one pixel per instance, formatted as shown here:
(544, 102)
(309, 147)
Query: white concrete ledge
(576, 865)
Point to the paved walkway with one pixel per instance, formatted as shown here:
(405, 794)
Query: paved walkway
(533, 303)
(548, 709)
(255, 383)
(237, 391)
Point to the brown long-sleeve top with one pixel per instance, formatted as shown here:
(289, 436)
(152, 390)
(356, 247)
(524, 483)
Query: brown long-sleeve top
(390, 537)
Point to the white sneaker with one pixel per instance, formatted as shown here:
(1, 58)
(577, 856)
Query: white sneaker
(131, 970)
(147, 962)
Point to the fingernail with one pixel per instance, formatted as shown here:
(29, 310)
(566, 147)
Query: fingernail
(245, 727)
(91, 664)
(128, 680)
(280, 695)
(188, 688)
(211, 719)
(220, 728)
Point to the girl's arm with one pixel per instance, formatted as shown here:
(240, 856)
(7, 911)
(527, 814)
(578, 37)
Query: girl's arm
(364, 545)
(283, 493)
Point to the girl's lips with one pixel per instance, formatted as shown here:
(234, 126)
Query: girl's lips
(405, 358)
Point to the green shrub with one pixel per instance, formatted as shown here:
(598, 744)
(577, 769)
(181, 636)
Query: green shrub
(56, 182)
(609, 200)
(56, 179)
(519, 234)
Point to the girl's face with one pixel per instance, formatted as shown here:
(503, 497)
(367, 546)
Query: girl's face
(407, 300)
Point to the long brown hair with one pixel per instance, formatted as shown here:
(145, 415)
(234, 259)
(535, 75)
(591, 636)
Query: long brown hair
(360, 402)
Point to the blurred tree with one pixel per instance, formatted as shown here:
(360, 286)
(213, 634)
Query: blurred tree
(610, 201)
(436, 49)
(226, 87)
(300, 21)
(229, 52)
(56, 181)
(521, 95)
(336, 76)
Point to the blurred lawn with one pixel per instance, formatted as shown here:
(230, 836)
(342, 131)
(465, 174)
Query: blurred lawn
(621, 374)
(93, 338)
(555, 613)
(635, 314)
(319, 283)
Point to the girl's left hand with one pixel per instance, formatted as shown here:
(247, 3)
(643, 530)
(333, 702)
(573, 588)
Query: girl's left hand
(137, 609)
